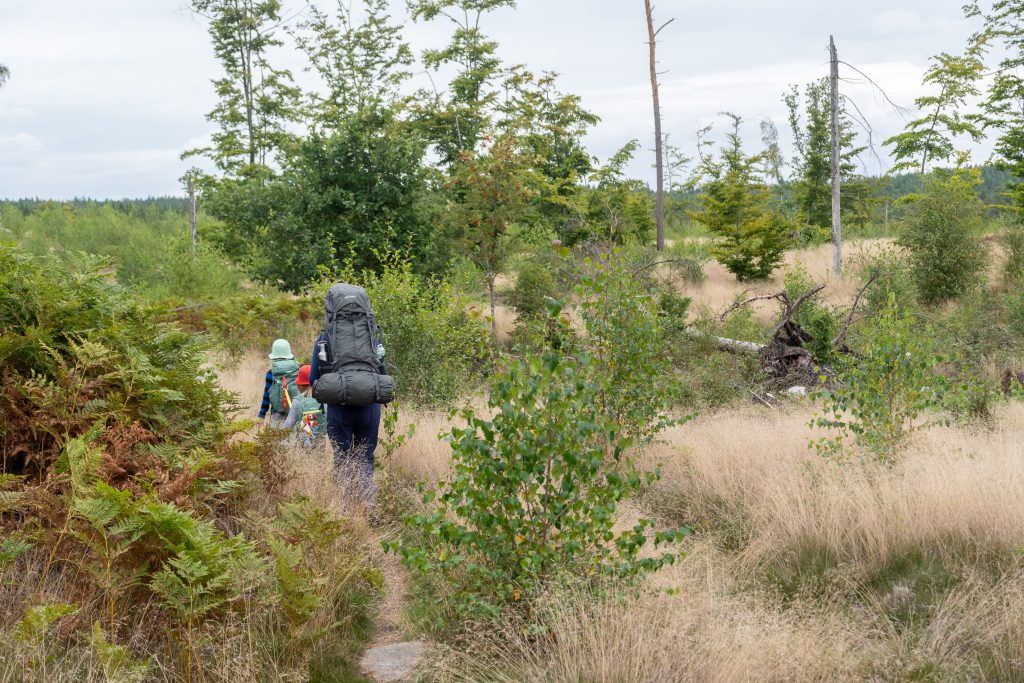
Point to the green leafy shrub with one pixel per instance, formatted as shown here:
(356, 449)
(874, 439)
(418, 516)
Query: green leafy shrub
(942, 235)
(881, 394)
(539, 475)
(1015, 312)
(466, 278)
(249, 320)
(534, 285)
(534, 492)
(1013, 244)
(691, 255)
(625, 336)
(885, 272)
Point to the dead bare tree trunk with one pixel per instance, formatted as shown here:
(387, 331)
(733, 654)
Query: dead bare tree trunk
(192, 213)
(659, 211)
(837, 225)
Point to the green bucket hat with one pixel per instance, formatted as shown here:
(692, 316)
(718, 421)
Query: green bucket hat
(281, 349)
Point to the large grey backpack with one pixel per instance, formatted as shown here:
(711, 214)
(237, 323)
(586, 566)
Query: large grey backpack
(354, 377)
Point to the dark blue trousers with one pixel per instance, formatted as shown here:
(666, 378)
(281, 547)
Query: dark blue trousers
(353, 433)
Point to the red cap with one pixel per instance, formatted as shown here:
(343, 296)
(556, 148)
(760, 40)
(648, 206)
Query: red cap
(303, 379)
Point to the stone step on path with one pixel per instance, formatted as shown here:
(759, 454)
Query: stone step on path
(394, 663)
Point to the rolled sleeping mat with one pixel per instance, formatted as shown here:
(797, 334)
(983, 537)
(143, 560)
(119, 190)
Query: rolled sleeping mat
(354, 388)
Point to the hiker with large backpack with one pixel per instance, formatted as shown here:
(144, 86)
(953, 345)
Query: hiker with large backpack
(281, 385)
(349, 377)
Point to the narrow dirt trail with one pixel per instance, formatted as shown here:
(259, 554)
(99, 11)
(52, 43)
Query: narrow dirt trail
(391, 626)
(389, 657)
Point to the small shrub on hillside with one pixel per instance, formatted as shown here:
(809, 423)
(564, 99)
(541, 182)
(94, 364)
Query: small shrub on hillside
(888, 271)
(942, 235)
(466, 278)
(1013, 243)
(691, 255)
(883, 392)
(756, 249)
(538, 478)
(535, 492)
(625, 335)
(535, 284)
(1015, 312)
(674, 310)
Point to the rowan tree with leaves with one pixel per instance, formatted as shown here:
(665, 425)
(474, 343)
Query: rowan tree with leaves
(362, 64)
(1002, 105)
(490, 190)
(457, 120)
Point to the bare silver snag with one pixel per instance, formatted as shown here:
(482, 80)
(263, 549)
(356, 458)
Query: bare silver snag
(659, 211)
(837, 225)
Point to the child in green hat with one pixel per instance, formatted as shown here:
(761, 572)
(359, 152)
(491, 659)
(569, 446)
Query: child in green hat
(281, 385)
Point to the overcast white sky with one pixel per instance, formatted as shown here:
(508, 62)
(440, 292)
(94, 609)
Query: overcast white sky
(104, 95)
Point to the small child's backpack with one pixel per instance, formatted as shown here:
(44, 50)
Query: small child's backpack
(309, 412)
(283, 370)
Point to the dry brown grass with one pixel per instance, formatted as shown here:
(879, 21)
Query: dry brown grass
(802, 570)
(955, 488)
(703, 633)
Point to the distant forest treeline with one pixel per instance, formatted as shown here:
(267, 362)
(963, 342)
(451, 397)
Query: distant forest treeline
(995, 182)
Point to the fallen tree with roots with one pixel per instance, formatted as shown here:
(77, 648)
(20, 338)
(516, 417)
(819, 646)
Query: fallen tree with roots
(787, 357)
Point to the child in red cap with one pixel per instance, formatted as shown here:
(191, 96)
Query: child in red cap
(305, 412)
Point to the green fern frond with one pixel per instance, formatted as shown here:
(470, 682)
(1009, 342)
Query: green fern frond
(118, 663)
(12, 548)
(38, 620)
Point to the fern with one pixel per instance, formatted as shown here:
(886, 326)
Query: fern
(113, 529)
(11, 548)
(118, 663)
(10, 501)
(83, 462)
(38, 620)
(207, 570)
(296, 585)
